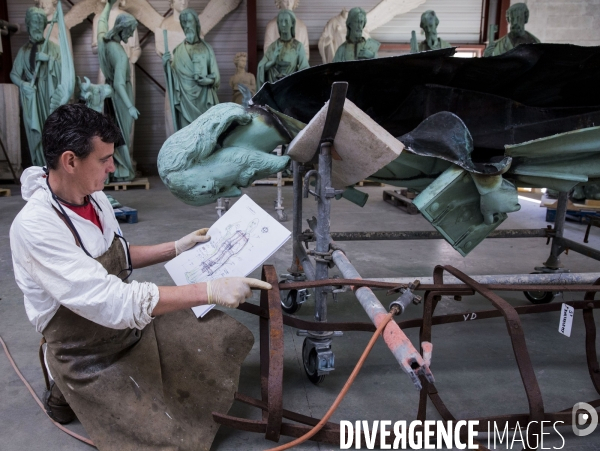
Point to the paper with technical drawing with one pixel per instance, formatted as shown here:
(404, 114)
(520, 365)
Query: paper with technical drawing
(240, 241)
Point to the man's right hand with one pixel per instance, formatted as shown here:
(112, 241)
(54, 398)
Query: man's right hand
(232, 291)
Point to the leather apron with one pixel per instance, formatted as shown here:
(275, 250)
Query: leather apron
(149, 389)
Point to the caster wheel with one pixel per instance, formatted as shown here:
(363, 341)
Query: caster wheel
(310, 365)
(539, 297)
(290, 303)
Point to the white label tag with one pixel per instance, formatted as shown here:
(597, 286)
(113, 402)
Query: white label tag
(566, 320)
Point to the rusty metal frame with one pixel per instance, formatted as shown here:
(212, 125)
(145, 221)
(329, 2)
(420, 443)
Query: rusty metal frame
(327, 252)
(272, 320)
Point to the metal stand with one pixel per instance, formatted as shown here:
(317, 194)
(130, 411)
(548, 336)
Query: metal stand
(317, 349)
(561, 244)
(318, 356)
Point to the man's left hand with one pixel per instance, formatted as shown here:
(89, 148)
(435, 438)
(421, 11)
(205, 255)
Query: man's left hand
(189, 241)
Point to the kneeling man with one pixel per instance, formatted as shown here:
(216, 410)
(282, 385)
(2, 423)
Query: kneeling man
(131, 360)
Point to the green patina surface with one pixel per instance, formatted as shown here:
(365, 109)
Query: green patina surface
(356, 46)
(284, 56)
(230, 147)
(115, 67)
(517, 16)
(224, 149)
(194, 77)
(44, 73)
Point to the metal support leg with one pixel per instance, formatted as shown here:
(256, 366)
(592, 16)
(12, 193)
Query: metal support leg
(553, 261)
(318, 357)
(292, 300)
(317, 353)
(296, 267)
(322, 230)
(281, 214)
(222, 206)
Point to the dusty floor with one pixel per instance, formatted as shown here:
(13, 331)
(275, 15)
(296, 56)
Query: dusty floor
(473, 363)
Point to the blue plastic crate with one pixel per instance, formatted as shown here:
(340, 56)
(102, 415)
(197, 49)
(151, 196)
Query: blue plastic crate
(573, 215)
(126, 214)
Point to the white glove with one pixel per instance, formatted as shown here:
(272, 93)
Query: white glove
(232, 291)
(189, 241)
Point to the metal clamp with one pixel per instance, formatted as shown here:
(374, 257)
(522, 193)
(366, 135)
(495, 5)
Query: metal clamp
(306, 187)
(331, 192)
(323, 257)
(406, 297)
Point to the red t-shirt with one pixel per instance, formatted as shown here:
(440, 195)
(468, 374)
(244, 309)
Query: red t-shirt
(86, 211)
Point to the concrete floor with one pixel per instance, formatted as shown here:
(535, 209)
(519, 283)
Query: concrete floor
(473, 363)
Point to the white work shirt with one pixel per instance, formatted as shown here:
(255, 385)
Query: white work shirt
(52, 270)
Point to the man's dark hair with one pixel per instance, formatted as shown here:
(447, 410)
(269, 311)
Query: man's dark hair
(72, 127)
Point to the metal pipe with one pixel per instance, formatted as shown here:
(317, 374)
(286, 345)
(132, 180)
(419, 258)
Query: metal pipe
(432, 235)
(507, 279)
(322, 229)
(405, 353)
(297, 223)
(579, 248)
(302, 256)
(553, 261)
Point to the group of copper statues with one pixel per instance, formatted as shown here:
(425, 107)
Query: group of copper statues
(43, 69)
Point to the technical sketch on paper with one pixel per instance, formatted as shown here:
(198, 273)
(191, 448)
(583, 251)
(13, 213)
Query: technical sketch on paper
(240, 241)
(229, 246)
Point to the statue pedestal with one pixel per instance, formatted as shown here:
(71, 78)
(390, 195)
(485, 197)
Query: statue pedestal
(10, 115)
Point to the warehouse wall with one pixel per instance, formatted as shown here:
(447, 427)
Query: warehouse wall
(459, 20)
(459, 23)
(564, 21)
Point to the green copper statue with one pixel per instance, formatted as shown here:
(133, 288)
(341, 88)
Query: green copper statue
(45, 81)
(429, 24)
(226, 148)
(93, 95)
(356, 46)
(115, 67)
(517, 16)
(284, 56)
(194, 76)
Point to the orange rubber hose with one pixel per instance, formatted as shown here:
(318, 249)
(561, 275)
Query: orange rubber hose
(35, 397)
(345, 389)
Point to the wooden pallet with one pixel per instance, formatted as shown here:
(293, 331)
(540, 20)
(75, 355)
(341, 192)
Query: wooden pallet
(402, 202)
(143, 182)
(369, 183)
(530, 190)
(552, 203)
(4, 192)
